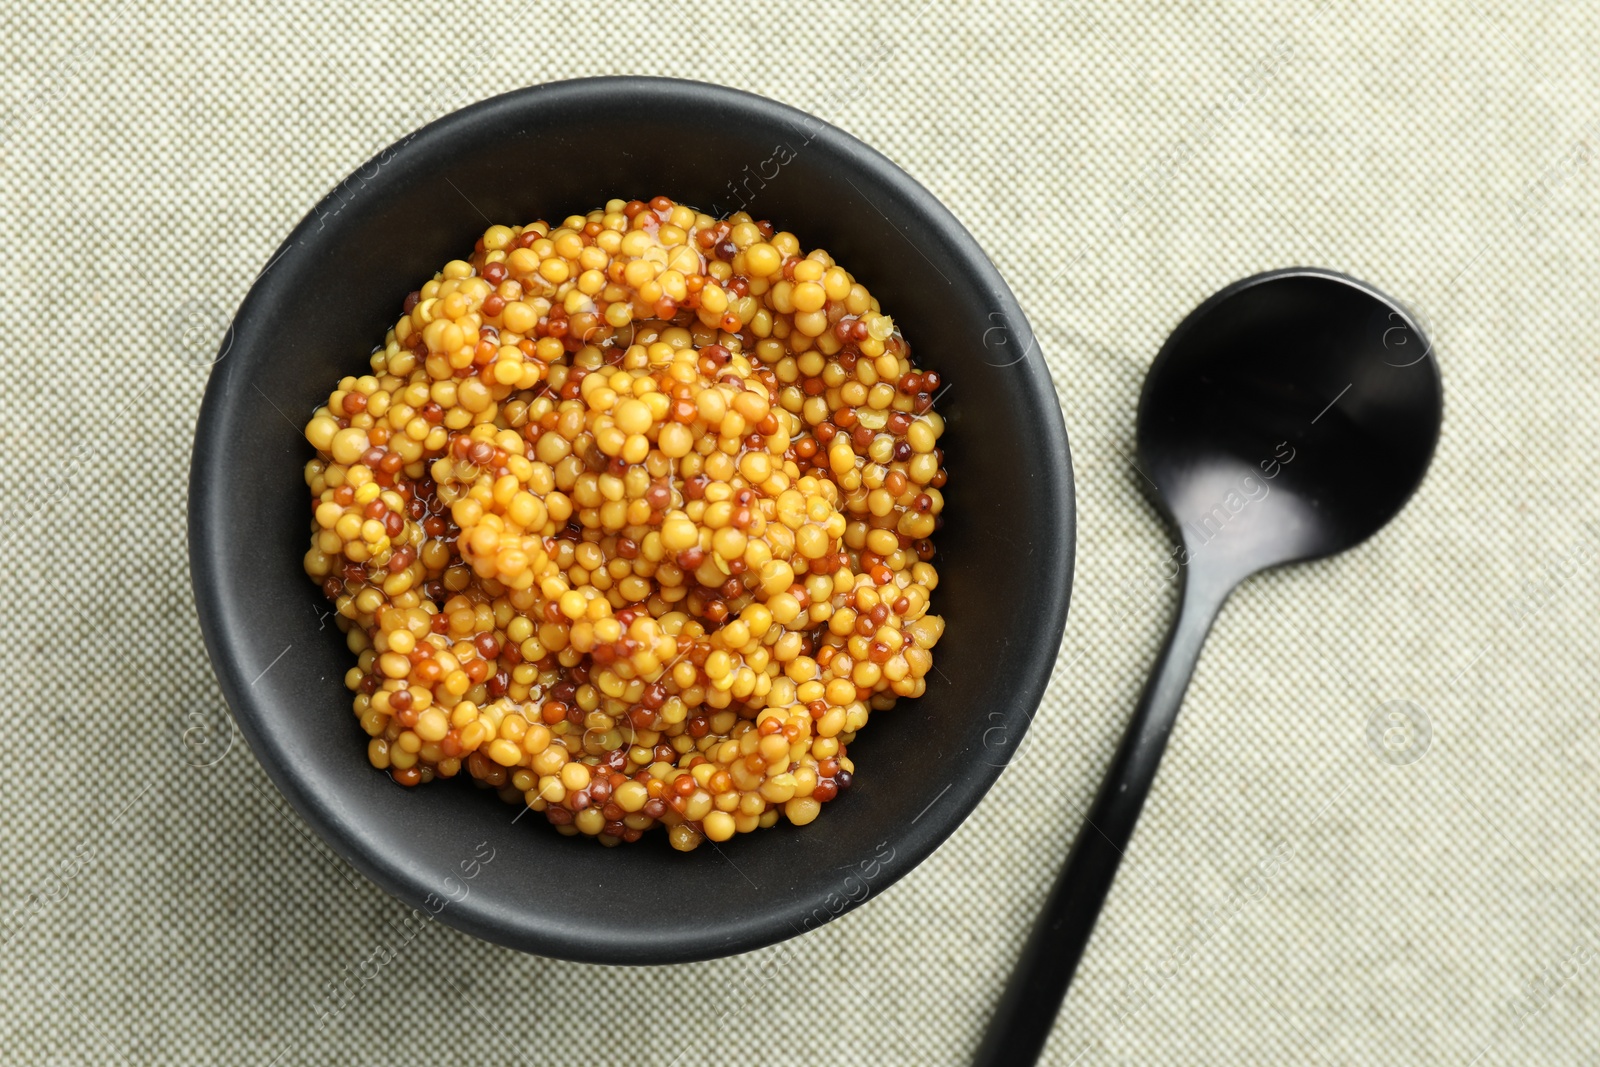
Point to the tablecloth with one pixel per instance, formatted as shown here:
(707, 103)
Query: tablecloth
(1374, 837)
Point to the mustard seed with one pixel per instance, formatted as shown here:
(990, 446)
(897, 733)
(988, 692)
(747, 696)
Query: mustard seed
(608, 528)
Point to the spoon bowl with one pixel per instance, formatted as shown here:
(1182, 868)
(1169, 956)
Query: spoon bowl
(1289, 417)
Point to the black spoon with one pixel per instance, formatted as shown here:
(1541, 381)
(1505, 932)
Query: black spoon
(1288, 418)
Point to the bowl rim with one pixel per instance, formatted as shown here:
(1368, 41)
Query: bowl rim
(223, 629)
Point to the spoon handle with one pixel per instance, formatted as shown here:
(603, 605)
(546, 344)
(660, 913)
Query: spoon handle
(1022, 1022)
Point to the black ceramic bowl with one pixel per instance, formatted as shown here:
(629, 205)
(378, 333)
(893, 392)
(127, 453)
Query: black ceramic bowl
(1005, 553)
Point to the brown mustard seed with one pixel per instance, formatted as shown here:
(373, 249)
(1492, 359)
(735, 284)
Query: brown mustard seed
(631, 521)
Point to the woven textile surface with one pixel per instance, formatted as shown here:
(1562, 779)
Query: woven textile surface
(1376, 835)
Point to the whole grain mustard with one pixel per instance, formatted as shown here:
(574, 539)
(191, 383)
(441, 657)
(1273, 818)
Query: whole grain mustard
(631, 522)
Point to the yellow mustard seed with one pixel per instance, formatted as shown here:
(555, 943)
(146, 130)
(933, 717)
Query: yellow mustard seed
(632, 522)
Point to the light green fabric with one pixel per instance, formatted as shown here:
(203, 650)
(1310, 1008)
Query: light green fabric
(1297, 892)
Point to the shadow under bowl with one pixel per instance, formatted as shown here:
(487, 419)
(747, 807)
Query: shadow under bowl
(326, 298)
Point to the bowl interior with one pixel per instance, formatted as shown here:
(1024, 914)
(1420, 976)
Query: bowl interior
(1005, 553)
